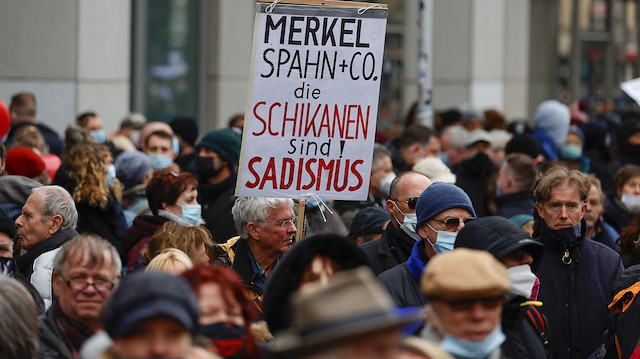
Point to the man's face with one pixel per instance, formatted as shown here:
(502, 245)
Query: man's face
(502, 180)
(439, 224)
(272, 236)
(564, 208)
(94, 123)
(381, 345)
(159, 146)
(385, 166)
(473, 320)
(6, 246)
(83, 305)
(594, 207)
(155, 338)
(432, 149)
(410, 185)
(32, 227)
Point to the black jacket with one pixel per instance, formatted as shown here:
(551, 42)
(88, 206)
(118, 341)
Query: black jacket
(402, 282)
(513, 204)
(393, 248)
(52, 344)
(523, 339)
(217, 201)
(616, 214)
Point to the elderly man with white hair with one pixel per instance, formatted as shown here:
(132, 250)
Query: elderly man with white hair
(267, 227)
(49, 219)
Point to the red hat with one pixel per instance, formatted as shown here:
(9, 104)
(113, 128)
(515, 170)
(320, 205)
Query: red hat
(24, 161)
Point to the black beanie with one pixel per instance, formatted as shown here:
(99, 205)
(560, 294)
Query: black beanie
(6, 225)
(185, 127)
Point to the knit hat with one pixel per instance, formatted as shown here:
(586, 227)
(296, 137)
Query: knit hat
(369, 220)
(435, 169)
(225, 142)
(498, 236)
(553, 118)
(132, 167)
(187, 128)
(464, 274)
(24, 161)
(151, 127)
(521, 219)
(524, 143)
(148, 295)
(577, 131)
(440, 197)
(6, 225)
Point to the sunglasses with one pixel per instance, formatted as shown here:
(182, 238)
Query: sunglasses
(452, 223)
(467, 304)
(411, 202)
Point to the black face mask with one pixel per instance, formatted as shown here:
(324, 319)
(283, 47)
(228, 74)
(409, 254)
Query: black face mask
(230, 339)
(207, 167)
(7, 266)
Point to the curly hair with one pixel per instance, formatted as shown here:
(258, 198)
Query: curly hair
(166, 186)
(87, 163)
(172, 235)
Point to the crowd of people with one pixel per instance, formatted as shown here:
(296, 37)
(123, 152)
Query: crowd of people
(479, 238)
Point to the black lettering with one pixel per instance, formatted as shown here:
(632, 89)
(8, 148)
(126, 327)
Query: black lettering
(271, 26)
(293, 30)
(344, 31)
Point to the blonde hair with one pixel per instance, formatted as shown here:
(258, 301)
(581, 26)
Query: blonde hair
(87, 163)
(172, 235)
(172, 261)
(30, 136)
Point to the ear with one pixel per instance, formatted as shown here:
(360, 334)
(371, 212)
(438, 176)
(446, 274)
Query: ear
(164, 206)
(54, 223)
(254, 230)
(55, 282)
(422, 231)
(584, 208)
(390, 207)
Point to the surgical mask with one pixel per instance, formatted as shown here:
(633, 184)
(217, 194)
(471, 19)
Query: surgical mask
(99, 136)
(191, 213)
(385, 184)
(445, 159)
(570, 152)
(408, 225)
(111, 175)
(444, 240)
(175, 146)
(522, 281)
(631, 201)
(159, 162)
(230, 339)
(207, 167)
(479, 349)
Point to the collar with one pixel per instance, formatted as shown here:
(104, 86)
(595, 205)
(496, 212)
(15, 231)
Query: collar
(417, 261)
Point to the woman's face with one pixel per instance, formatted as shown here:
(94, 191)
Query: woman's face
(190, 196)
(632, 186)
(215, 308)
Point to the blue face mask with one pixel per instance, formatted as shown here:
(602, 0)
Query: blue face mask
(444, 240)
(498, 191)
(159, 162)
(570, 152)
(99, 136)
(111, 176)
(473, 349)
(191, 213)
(408, 225)
(175, 146)
(445, 159)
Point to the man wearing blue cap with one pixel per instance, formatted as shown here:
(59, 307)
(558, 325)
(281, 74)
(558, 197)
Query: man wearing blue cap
(216, 166)
(443, 210)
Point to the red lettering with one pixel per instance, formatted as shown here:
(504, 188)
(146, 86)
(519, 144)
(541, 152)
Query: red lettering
(253, 172)
(322, 165)
(310, 172)
(300, 167)
(288, 166)
(357, 174)
(270, 115)
(255, 113)
(337, 187)
(270, 174)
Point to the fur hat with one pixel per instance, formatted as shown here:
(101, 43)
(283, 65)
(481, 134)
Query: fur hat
(440, 197)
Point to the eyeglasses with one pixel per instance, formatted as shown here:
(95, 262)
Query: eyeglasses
(467, 304)
(411, 202)
(78, 283)
(452, 223)
(286, 222)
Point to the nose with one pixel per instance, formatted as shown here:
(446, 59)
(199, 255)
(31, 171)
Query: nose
(158, 347)
(564, 213)
(588, 207)
(18, 221)
(477, 311)
(526, 259)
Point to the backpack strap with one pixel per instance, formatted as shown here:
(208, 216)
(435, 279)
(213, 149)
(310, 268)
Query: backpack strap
(539, 323)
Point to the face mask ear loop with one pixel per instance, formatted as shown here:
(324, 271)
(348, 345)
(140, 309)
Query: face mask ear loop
(427, 238)
(432, 318)
(322, 205)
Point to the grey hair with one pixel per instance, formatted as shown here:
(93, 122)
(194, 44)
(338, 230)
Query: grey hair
(379, 152)
(254, 209)
(19, 324)
(458, 136)
(57, 200)
(90, 245)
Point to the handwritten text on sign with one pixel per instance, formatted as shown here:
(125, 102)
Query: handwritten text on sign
(311, 118)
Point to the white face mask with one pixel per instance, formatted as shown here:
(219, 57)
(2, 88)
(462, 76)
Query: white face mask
(385, 184)
(631, 201)
(522, 281)
(408, 225)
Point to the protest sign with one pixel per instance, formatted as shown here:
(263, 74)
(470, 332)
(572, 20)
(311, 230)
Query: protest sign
(632, 88)
(311, 115)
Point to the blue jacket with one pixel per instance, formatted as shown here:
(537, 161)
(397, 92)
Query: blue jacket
(576, 295)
